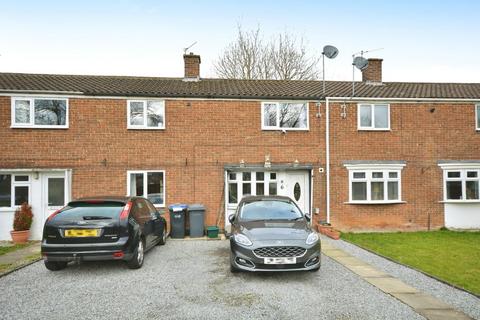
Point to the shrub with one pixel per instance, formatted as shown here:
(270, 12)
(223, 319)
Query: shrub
(23, 218)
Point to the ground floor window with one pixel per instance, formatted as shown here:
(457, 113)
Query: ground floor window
(14, 190)
(461, 184)
(373, 183)
(250, 183)
(148, 184)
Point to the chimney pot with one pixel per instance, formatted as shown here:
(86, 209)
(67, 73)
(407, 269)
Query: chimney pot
(192, 66)
(373, 73)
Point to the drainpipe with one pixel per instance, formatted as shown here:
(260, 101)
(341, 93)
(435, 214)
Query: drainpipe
(327, 147)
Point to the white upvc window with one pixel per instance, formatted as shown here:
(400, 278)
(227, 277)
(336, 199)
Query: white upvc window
(146, 114)
(375, 184)
(248, 183)
(14, 190)
(477, 117)
(47, 113)
(285, 116)
(147, 183)
(461, 185)
(373, 116)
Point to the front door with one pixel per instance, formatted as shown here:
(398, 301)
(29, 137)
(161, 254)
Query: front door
(295, 186)
(54, 193)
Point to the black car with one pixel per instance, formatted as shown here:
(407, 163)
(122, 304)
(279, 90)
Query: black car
(102, 228)
(270, 233)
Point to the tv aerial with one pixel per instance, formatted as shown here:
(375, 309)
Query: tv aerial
(330, 52)
(360, 63)
(187, 48)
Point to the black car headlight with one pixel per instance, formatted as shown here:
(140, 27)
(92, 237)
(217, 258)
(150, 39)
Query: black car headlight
(242, 239)
(312, 238)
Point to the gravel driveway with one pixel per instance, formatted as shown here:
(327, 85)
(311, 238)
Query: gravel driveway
(191, 280)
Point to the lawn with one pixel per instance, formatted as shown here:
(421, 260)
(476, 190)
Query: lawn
(7, 249)
(448, 255)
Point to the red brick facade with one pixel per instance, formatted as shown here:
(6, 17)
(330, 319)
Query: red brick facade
(201, 136)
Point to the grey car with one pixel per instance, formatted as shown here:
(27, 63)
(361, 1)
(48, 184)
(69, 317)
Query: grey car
(270, 233)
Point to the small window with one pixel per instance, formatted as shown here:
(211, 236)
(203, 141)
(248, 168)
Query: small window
(373, 117)
(462, 185)
(39, 113)
(5, 190)
(148, 184)
(146, 114)
(14, 190)
(477, 116)
(21, 178)
(285, 116)
(374, 186)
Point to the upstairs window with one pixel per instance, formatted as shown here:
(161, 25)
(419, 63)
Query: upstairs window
(373, 117)
(477, 116)
(39, 113)
(285, 116)
(146, 114)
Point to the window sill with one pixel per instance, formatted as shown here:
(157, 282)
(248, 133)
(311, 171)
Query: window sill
(460, 201)
(285, 129)
(375, 202)
(144, 128)
(38, 127)
(7, 209)
(372, 129)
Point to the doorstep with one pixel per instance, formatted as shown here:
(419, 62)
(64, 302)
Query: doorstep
(422, 303)
(221, 236)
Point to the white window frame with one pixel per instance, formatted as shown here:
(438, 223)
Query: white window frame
(32, 124)
(277, 127)
(477, 121)
(145, 184)
(368, 169)
(463, 168)
(253, 183)
(14, 184)
(144, 126)
(372, 114)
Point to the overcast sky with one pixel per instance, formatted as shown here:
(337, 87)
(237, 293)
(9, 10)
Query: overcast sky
(434, 41)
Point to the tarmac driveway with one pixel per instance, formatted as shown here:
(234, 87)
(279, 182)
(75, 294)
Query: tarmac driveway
(191, 280)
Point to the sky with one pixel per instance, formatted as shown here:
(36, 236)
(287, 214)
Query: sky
(421, 41)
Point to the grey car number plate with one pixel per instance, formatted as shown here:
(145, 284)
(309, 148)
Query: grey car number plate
(289, 260)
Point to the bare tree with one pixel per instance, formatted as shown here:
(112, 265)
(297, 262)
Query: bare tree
(284, 57)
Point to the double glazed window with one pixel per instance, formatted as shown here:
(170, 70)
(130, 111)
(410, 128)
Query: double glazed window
(14, 190)
(477, 116)
(285, 115)
(250, 183)
(146, 114)
(462, 185)
(148, 184)
(373, 117)
(40, 112)
(375, 186)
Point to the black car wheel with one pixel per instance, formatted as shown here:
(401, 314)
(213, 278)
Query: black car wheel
(55, 265)
(137, 260)
(163, 238)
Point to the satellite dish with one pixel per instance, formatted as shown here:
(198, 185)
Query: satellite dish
(330, 52)
(360, 62)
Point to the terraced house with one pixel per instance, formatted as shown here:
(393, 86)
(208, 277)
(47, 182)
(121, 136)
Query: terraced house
(395, 156)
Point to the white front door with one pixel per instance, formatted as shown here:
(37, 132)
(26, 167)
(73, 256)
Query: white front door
(295, 185)
(55, 193)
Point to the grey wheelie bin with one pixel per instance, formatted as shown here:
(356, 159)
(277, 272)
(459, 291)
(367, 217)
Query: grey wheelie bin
(196, 213)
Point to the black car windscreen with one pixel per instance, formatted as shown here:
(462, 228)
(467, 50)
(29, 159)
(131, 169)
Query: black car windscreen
(92, 211)
(269, 210)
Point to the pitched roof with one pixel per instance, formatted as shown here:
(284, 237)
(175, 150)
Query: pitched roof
(223, 88)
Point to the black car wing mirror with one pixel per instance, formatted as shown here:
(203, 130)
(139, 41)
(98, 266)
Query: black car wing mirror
(231, 218)
(308, 217)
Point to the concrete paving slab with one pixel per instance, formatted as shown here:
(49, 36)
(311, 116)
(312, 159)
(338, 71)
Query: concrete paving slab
(15, 256)
(368, 272)
(335, 253)
(442, 314)
(391, 285)
(421, 301)
(350, 261)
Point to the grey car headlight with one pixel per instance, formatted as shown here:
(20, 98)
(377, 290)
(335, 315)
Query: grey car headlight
(312, 238)
(242, 239)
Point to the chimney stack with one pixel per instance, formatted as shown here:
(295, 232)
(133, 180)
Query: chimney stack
(373, 73)
(192, 66)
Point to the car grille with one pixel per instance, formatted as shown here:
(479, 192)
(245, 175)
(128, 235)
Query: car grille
(267, 252)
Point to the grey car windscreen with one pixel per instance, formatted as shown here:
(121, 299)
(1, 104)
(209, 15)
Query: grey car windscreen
(269, 210)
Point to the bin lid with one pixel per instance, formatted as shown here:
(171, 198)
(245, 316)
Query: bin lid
(196, 206)
(177, 207)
